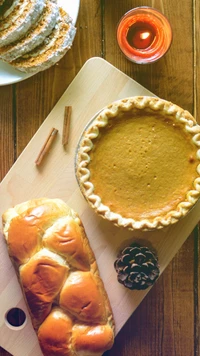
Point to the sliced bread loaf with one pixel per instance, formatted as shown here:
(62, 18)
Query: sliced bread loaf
(51, 50)
(14, 13)
(35, 36)
(20, 20)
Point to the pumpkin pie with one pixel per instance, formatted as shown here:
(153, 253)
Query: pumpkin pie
(138, 163)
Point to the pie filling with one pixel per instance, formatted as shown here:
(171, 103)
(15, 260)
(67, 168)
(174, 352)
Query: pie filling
(142, 165)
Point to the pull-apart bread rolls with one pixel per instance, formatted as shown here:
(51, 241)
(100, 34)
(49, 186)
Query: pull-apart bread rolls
(58, 273)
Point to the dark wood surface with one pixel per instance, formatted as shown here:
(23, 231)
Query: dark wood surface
(167, 321)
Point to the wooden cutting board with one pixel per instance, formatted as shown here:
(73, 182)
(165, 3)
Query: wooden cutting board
(97, 84)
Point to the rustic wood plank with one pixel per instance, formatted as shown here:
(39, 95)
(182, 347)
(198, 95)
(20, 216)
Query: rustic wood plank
(196, 31)
(163, 324)
(196, 291)
(172, 76)
(196, 44)
(7, 130)
(7, 138)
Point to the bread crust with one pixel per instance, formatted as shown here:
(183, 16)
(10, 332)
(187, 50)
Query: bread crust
(60, 280)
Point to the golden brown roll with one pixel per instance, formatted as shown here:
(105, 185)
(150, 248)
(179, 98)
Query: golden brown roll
(57, 270)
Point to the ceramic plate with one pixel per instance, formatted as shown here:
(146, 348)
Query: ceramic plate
(9, 75)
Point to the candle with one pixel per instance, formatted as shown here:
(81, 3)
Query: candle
(144, 35)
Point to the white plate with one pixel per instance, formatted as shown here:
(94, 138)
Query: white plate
(9, 75)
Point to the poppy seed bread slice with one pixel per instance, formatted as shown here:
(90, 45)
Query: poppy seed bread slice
(20, 20)
(14, 11)
(35, 36)
(51, 50)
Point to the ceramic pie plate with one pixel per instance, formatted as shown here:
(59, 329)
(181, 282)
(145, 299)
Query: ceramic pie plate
(180, 197)
(9, 75)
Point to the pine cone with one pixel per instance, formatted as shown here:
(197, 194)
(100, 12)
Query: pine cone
(137, 267)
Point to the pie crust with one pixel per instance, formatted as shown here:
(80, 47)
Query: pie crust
(138, 163)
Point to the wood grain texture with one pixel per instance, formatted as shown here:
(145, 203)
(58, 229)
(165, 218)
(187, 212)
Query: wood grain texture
(172, 76)
(163, 324)
(7, 130)
(196, 89)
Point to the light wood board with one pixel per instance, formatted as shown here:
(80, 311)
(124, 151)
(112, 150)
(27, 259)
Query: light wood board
(97, 84)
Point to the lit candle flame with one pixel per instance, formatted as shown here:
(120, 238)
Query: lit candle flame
(145, 35)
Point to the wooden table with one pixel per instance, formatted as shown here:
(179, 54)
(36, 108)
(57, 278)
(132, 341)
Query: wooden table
(166, 322)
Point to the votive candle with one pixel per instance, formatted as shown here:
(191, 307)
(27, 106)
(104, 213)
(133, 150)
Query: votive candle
(144, 35)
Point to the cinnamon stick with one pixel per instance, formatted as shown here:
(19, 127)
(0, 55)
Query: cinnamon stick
(46, 147)
(66, 124)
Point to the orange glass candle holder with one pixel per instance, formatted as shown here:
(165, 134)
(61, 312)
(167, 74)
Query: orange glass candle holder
(144, 35)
